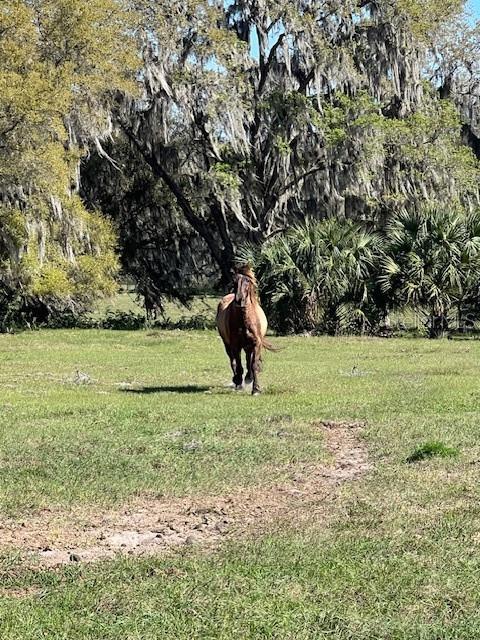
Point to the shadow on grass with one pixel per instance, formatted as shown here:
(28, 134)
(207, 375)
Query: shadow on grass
(191, 388)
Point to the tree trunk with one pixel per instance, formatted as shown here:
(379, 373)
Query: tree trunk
(438, 325)
(223, 256)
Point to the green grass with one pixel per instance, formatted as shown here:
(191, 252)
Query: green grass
(400, 558)
(127, 431)
(126, 302)
(431, 449)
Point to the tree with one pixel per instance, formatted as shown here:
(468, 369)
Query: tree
(157, 247)
(59, 63)
(453, 67)
(332, 114)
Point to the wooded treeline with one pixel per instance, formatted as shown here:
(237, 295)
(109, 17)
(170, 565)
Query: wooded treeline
(179, 134)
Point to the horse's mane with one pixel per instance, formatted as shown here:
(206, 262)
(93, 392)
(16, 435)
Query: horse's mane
(246, 270)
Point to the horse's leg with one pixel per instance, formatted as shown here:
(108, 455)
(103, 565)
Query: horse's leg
(256, 360)
(249, 376)
(236, 362)
(227, 348)
(234, 353)
(233, 361)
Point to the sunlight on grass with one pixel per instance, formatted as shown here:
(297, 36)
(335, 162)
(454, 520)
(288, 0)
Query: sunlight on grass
(98, 418)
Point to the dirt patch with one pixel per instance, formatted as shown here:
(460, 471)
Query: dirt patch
(20, 594)
(154, 525)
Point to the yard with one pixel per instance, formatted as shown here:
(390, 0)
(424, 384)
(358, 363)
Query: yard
(143, 498)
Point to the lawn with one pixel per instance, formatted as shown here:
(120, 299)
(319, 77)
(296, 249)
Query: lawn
(95, 420)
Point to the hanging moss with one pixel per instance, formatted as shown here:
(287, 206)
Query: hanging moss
(59, 64)
(338, 114)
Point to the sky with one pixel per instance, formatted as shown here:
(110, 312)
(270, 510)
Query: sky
(475, 8)
(472, 5)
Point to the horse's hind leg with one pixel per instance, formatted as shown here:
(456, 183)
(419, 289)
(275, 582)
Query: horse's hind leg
(256, 360)
(249, 376)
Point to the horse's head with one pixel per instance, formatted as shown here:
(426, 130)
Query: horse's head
(244, 290)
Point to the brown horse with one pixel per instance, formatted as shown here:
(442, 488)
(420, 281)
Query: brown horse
(242, 324)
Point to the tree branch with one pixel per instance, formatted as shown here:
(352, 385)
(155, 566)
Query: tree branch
(299, 178)
(265, 68)
(13, 126)
(192, 217)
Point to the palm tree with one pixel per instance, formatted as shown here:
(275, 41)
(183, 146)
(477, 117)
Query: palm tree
(431, 261)
(317, 275)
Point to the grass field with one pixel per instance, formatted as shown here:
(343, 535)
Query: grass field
(127, 302)
(95, 420)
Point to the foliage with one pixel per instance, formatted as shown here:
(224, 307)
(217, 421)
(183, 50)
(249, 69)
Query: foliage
(337, 276)
(317, 276)
(187, 322)
(157, 249)
(123, 320)
(65, 273)
(425, 16)
(198, 126)
(432, 260)
(338, 112)
(130, 319)
(60, 62)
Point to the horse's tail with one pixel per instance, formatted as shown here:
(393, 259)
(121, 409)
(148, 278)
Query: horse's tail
(266, 344)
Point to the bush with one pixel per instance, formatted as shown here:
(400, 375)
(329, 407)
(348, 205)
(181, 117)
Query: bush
(55, 266)
(318, 276)
(123, 321)
(432, 262)
(198, 322)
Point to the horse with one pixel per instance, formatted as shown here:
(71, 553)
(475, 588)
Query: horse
(242, 324)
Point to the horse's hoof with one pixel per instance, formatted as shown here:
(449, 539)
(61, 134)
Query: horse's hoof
(239, 387)
(256, 392)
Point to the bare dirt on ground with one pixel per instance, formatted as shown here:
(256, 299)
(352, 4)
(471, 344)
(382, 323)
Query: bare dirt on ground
(157, 525)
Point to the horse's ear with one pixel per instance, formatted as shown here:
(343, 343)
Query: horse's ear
(245, 269)
(240, 268)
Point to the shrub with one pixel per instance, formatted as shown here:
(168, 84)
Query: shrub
(195, 322)
(432, 261)
(318, 276)
(123, 320)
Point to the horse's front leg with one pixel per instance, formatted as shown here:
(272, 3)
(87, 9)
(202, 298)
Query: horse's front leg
(237, 369)
(256, 360)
